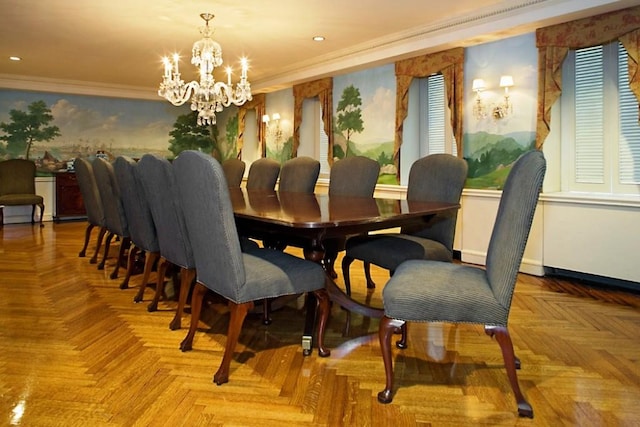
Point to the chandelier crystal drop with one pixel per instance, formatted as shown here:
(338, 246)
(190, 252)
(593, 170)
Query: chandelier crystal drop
(207, 96)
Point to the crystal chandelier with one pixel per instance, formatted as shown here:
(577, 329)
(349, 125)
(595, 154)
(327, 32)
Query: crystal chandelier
(208, 97)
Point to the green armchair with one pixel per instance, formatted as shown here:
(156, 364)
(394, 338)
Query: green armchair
(18, 187)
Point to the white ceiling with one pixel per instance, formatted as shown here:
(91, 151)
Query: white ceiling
(120, 43)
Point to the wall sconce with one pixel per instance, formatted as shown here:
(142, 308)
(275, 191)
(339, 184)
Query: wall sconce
(273, 130)
(499, 110)
(505, 108)
(479, 110)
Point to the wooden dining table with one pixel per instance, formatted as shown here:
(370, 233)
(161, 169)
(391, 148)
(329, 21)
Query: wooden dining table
(307, 220)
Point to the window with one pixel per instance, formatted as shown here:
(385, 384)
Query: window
(601, 134)
(436, 135)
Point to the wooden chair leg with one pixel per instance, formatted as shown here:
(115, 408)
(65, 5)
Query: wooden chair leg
(87, 237)
(107, 244)
(163, 265)
(101, 234)
(149, 261)
(131, 260)
(187, 276)
(402, 343)
(329, 263)
(41, 214)
(199, 290)
(346, 263)
(124, 245)
(324, 307)
(367, 273)
(238, 314)
(504, 340)
(387, 328)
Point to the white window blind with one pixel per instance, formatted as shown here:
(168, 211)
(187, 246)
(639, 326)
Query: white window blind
(324, 146)
(435, 130)
(589, 112)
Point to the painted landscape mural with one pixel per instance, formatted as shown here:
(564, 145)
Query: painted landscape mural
(494, 140)
(51, 129)
(364, 111)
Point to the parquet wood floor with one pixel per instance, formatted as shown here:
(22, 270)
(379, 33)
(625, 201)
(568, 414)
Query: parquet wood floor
(76, 351)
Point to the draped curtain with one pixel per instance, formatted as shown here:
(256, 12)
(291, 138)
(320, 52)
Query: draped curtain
(323, 89)
(555, 42)
(450, 63)
(258, 103)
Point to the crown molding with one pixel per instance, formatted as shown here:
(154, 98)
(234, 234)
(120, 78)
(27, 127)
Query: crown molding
(76, 87)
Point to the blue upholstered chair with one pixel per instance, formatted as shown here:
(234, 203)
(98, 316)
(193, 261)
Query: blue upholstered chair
(233, 171)
(240, 277)
(158, 183)
(92, 204)
(115, 218)
(435, 291)
(263, 174)
(354, 176)
(142, 230)
(437, 177)
(299, 175)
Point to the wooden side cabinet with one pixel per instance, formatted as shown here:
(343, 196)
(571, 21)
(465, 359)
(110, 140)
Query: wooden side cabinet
(69, 204)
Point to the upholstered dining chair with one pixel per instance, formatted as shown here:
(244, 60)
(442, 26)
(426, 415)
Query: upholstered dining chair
(233, 171)
(114, 216)
(299, 175)
(436, 291)
(18, 186)
(158, 183)
(240, 277)
(263, 174)
(142, 230)
(437, 177)
(354, 176)
(92, 203)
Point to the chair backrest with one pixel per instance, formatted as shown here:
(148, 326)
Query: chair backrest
(17, 176)
(115, 219)
(89, 191)
(142, 230)
(156, 176)
(233, 171)
(210, 223)
(437, 177)
(263, 174)
(354, 176)
(299, 174)
(513, 222)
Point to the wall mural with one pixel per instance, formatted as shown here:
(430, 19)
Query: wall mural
(80, 125)
(496, 134)
(364, 115)
(279, 130)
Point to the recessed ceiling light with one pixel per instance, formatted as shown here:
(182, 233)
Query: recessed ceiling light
(15, 58)
(318, 38)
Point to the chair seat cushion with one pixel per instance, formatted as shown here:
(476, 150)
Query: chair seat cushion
(271, 273)
(390, 250)
(433, 291)
(21, 199)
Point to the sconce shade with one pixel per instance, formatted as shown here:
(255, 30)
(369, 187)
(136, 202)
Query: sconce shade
(265, 118)
(275, 116)
(478, 85)
(506, 81)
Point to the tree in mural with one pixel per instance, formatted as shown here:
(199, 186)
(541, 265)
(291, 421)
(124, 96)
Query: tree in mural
(231, 133)
(27, 127)
(187, 134)
(350, 113)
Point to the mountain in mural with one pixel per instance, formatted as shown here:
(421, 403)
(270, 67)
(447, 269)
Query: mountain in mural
(490, 156)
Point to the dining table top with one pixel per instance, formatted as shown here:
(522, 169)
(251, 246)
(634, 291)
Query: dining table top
(333, 214)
